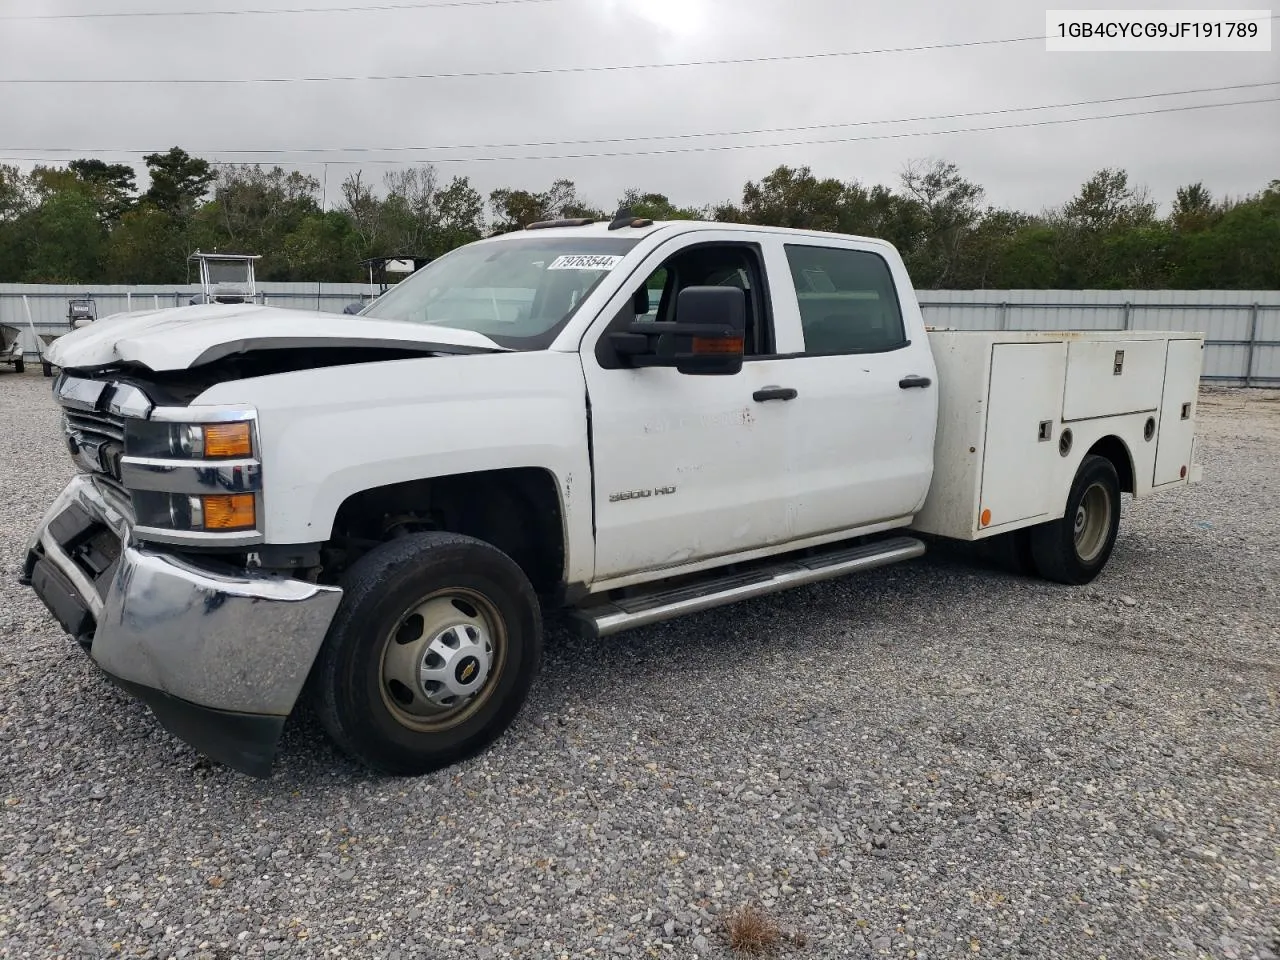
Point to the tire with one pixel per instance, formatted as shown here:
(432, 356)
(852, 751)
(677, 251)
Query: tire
(19, 365)
(404, 604)
(46, 368)
(1074, 550)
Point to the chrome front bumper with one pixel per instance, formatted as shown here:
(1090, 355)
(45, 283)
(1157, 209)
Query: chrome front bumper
(220, 657)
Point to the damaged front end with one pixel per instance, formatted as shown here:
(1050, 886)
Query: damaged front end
(149, 558)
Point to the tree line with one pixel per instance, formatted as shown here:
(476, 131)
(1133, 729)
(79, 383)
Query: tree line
(88, 222)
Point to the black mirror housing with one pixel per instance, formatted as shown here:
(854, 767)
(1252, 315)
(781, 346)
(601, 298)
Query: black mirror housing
(716, 318)
(707, 337)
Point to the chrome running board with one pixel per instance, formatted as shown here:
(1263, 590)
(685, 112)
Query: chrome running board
(604, 617)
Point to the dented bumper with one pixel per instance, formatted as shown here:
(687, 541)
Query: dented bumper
(220, 657)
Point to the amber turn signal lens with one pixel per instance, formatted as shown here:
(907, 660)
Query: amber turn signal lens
(227, 440)
(717, 345)
(229, 512)
(986, 517)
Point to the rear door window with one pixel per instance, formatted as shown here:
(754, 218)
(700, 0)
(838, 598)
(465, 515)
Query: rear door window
(848, 303)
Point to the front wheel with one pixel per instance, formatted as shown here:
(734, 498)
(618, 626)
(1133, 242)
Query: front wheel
(1074, 550)
(46, 368)
(19, 365)
(431, 654)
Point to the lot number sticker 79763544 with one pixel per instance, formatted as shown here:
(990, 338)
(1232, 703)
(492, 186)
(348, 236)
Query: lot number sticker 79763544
(585, 262)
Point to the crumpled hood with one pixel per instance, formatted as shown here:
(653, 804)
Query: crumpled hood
(181, 337)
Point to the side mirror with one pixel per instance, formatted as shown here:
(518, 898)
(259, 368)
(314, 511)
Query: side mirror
(707, 337)
(715, 319)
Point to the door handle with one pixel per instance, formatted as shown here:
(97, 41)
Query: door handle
(906, 383)
(774, 393)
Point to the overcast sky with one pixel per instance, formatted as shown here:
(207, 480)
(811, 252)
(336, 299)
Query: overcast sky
(1233, 150)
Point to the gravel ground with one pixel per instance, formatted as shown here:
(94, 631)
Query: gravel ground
(933, 760)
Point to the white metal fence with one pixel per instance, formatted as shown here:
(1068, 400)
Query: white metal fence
(48, 304)
(1242, 328)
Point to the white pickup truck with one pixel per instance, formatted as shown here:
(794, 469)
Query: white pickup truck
(626, 420)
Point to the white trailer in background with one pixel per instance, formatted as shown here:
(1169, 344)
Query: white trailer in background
(11, 349)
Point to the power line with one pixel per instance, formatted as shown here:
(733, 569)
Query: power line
(715, 148)
(267, 11)
(801, 143)
(539, 71)
(278, 151)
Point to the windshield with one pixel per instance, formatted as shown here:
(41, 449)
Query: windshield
(519, 293)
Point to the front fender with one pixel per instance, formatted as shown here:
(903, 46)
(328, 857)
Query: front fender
(333, 432)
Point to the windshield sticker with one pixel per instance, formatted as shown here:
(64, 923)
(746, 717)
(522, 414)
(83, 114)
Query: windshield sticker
(585, 262)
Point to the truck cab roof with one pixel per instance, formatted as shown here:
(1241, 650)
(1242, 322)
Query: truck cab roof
(604, 228)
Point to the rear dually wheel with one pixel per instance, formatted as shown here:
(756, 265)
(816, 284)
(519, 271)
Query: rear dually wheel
(1075, 548)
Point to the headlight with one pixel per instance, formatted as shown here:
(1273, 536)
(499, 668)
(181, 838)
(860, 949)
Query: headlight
(200, 513)
(194, 475)
(188, 441)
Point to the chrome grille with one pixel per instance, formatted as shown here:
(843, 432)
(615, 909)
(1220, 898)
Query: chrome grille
(95, 438)
(95, 426)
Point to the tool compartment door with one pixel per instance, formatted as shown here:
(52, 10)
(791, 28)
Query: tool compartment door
(1178, 411)
(1021, 452)
(1106, 378)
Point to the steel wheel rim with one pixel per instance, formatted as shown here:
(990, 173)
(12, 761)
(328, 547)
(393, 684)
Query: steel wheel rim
(441, 660)
(1092, 522)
